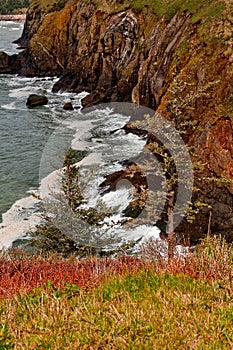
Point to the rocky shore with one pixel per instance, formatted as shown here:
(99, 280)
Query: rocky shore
(178, 63)
(14, 18)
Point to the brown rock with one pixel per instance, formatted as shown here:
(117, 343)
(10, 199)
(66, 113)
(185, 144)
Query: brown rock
(179, 66)
(68, 106)
(36, 100)
(5, 63)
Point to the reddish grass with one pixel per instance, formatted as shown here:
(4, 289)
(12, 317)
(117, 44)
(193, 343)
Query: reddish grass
(212, 261)
(22, 275)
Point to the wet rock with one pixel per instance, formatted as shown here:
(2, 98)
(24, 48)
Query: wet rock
(36, 100)
(5, 63)
(68, 106)
(132, 176)
(95, 98)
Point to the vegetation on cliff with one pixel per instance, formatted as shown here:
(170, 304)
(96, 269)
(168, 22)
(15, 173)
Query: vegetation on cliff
(198, 9)
(13, 6)
(172, 56)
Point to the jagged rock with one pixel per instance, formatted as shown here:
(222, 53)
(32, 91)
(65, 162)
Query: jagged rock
(36, 100)
(5, 61)
(152, 60)
(95, 98)
(68, 106)
(131, 176)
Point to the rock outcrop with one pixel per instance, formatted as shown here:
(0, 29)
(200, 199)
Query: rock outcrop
(68, 106)
(5, 63)
(177, 61)
(36, 100)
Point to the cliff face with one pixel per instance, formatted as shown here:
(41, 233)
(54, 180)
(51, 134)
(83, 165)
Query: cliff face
(178, 62)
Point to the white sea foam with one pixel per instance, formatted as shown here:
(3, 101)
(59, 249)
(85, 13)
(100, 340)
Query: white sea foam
(120, 198)
(22, 91)
(8, 24)
(92, 133)
(9, 106)
(15, 28)
(20, 219)
(24, 215)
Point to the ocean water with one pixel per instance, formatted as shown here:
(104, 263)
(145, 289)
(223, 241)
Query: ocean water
(9, 31)
(33, 142)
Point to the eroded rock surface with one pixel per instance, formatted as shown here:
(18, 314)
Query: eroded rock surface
(180, 65)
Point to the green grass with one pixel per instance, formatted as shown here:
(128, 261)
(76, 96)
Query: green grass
(168, 8)
(50, 5)
(142, 310)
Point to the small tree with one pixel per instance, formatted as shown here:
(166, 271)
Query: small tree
(165, 143)
(70, 226)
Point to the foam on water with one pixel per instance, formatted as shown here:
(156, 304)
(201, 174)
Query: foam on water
(98, 132)
(22, 91)
(9, 32)
(10, 106)
(21, 218)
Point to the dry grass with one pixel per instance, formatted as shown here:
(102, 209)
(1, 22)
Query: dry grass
(22, 274)
(210, 261)
(124, 303)
(139, 311)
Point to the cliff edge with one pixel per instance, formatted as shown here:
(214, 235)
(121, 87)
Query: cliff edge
(176, 59)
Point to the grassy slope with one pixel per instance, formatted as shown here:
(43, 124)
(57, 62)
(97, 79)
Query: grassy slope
(168, 8)
(139, 311)
(186, 305)
(125, 304)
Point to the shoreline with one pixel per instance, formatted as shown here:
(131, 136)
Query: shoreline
(14, 18)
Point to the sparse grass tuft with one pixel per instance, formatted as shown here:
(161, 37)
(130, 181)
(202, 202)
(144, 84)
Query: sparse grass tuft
(211, 260)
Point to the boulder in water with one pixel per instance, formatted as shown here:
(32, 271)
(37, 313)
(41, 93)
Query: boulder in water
(36, 100)
(68, 106)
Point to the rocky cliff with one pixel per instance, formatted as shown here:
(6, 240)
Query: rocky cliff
(176, 59)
